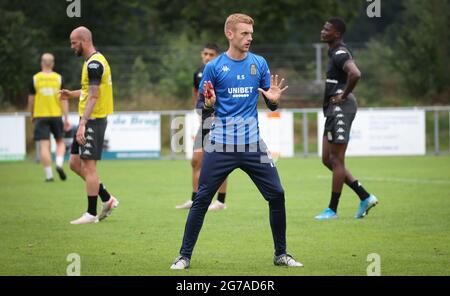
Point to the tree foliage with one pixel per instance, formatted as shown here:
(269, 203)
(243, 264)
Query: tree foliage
(418, 39)
(17, 56)
(422, 45)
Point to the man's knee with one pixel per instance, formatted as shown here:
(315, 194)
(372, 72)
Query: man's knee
(277, 200)
(336, 161)
(326, 161)
(60, 143)
(196, 161)
(203, 197)
(277, 193)
(280, 192)
(44, 145)
(89, 167)
(74, 164)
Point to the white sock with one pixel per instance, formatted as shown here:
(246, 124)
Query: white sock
(48, 172)
(59, 161)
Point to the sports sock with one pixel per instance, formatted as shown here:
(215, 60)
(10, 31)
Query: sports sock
(193, 195)
(104, 195)
(334, 201)
(59, 161)
(48, 172)
(92, 205)
(277, 215)
(221, 197)
(357, 187)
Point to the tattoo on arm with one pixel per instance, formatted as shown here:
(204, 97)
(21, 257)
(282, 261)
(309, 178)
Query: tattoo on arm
(93, 92)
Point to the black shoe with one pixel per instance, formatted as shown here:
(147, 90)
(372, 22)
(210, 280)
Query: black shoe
(49, 180)
(61, 173)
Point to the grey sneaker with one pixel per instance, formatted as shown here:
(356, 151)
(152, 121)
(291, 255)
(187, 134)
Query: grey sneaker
(286, 260)
(181, 262)
(186, 205)
(108, 207)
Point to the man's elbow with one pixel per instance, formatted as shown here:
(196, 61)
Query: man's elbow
(272, 107)
(356, 74)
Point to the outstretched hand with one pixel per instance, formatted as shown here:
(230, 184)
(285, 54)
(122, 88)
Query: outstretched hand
(65, 94)
(273, 94)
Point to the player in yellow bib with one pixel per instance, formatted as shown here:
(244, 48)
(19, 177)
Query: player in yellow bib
(46, 111)
(96, 103)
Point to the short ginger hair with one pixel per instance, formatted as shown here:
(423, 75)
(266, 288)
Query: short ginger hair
(236, 18)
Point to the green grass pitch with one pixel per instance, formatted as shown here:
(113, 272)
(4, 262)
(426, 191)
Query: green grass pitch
(409, 229)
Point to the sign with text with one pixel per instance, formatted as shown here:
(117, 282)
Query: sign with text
(127, 136)
(133, 136)
(383, 133)
(12, 137)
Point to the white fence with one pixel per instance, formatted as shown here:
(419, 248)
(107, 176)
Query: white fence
(287, 132)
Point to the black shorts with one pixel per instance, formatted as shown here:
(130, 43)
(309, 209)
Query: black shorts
(95, 135)
(43, 126)
(337, 127)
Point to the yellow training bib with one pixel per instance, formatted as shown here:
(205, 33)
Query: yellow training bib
(46, 99)
(104, 104)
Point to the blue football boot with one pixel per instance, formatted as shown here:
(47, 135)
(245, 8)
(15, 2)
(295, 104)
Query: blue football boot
(365, 206)
(327, 214)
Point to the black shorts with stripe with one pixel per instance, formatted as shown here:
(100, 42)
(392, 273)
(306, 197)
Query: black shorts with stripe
(43, 126)
(337, 127)
(95, 136)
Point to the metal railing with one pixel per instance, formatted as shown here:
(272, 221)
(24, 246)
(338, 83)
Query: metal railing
(435, 111)
(305, 128)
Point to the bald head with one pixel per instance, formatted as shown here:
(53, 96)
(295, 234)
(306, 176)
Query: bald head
(82, 33)
(47, 62)
(81, 41)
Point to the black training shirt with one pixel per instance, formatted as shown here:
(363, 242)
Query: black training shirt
(337, 78)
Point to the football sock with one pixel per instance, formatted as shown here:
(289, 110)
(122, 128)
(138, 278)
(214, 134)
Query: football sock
(104, 195)
(193, 195)
(221, 197)
(334, 201)
(277, 216)
(357, 187)
(59, 161)
(48, 172)
(92, 205)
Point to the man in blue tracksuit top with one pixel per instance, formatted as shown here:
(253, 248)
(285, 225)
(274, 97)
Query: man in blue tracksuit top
(230, 88)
